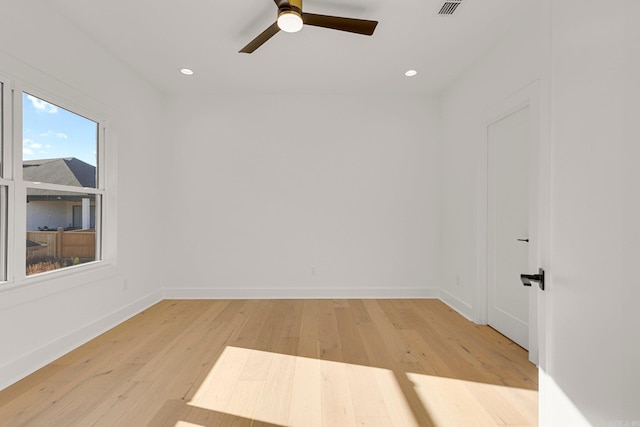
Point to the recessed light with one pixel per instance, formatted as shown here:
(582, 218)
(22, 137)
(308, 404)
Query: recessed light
(186, 71)
(411, 73)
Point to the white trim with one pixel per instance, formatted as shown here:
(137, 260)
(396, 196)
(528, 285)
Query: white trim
(464, 309)
(299, 293)
(18, 204)
(527, 96)
(7, 127)
(6, 216)
(10, 259)
(58, 187)
(62, 280)
(20, 368)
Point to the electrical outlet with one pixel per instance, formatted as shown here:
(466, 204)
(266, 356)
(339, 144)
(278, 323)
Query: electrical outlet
(314, 271)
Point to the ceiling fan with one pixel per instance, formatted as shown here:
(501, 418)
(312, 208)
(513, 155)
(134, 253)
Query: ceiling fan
(291, 18)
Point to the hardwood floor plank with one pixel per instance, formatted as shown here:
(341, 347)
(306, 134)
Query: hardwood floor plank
(176, 413)
(255, 312)
(274, 402)
(399, 349)
(241, 405)
(292, 321)
(366, 396)
(337, 405)
(272, 363)
(398, 391)
(351, 344)
(125, 347)
(309, 341)
(374, 422)
(359, 311)
(306, 394)
(216, 390)
(272, 327)
(328, 335)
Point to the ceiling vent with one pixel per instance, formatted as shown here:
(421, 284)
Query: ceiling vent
(449, 7)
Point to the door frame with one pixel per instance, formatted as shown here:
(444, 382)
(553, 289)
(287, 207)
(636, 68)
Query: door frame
(527, 96)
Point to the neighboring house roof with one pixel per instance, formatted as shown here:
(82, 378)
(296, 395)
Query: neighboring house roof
(64, 171)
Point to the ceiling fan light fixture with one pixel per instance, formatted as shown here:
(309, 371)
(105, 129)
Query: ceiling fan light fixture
(290, 21)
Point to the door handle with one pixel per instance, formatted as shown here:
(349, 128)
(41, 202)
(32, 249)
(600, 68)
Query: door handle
(523, 240)
(538, 278)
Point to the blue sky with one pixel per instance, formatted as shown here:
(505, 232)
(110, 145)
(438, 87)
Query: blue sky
(50, 132)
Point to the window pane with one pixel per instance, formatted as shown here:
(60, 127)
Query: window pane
(1, 128)
(61, 229)
(3, 233)
(58, 146)
(3, 195)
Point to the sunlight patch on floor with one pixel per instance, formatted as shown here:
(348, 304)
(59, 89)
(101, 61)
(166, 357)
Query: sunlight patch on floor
(286, 390)
(451, 401)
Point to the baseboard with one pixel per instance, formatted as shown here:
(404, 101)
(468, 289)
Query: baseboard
(26, 365)
(300, 293)
(458, 305)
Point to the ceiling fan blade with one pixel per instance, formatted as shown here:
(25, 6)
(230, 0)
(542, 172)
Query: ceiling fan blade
(352, 25)
(261, 39)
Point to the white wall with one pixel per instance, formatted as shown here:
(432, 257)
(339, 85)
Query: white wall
(44, 318)
(508, 67)
(593, 322)
(361, 192)
(591, 339)
(265, 189)
(48, 214)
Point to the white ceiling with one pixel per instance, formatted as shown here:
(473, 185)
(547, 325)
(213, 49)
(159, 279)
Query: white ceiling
(158, 37)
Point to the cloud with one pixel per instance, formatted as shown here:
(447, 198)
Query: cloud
(58, 134)
(29, 146)
(41, 105)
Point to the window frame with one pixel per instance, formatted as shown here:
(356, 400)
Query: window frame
(11, 177)
(7, 224)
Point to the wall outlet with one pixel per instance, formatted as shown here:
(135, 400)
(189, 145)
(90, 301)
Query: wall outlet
(314, 271)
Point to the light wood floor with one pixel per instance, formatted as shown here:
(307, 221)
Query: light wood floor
(308, 363)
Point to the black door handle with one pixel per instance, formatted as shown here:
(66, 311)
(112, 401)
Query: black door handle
(523, 240)
(528, 278)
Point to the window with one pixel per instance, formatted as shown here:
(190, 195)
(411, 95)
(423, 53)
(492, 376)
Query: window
(60, 172)
(52, 185)
(3, 186)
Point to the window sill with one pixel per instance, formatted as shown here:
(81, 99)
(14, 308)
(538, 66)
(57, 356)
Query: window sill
(45, 284)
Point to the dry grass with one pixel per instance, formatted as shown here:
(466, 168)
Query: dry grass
(42, 264)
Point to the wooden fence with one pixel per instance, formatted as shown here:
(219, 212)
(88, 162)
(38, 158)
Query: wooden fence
(63, 244)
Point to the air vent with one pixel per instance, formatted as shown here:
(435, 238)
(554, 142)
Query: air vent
(449, 7)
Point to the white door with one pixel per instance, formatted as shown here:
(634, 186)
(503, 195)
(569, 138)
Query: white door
(508, 225)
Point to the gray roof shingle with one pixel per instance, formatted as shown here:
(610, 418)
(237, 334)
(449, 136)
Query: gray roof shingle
(64, 171)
